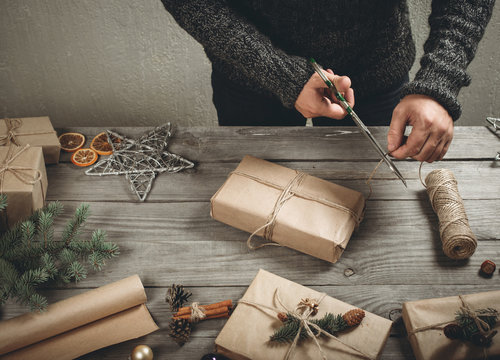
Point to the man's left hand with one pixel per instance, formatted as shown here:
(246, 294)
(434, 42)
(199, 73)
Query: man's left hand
(432, 129)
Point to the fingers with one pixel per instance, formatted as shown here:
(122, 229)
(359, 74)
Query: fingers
(331, 109)
(315, 98)
(417, 142)
(396, 130)
(432, 129)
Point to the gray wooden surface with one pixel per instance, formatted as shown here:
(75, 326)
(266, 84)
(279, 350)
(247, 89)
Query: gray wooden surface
(395, 255)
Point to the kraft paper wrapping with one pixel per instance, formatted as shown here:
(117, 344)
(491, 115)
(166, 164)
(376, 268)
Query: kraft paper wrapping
(246, 333)
(23, 198)
(318, 220)
(432, 344)
(35, 131)
(81, 324)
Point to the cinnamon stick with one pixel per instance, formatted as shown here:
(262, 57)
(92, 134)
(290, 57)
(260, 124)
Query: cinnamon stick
(208, 313)
(186, 310)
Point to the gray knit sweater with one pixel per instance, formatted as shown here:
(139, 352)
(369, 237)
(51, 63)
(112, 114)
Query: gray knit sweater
(264, 45)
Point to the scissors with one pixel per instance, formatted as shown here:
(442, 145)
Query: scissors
(358, 121)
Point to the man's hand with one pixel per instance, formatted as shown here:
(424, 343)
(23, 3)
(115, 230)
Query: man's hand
(432, 129)
(316, 100)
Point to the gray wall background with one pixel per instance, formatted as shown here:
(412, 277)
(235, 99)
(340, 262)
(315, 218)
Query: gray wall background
(126, 63)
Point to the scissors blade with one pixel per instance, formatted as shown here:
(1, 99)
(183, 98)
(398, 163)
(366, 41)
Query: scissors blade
(377, 146)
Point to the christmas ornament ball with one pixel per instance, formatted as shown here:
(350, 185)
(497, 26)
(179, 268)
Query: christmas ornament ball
(141, 352)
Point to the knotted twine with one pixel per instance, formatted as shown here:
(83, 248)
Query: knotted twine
(456, 235)
(304, 309)
(483, 327)
(18, 171)
(289, 191)
(11, 136)
(197, 313)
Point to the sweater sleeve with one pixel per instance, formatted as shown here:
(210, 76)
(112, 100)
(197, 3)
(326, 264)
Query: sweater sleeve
(456, 26)
(230, 37)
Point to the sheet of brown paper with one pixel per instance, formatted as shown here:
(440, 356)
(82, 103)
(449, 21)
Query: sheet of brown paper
(23, 198)
(49, 142)
(433, 344)
(246, 333)
(81, 324)
(318, 228)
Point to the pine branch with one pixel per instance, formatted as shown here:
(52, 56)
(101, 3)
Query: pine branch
(3, 202)
(73, 227)
(289, 331)
(31, 258)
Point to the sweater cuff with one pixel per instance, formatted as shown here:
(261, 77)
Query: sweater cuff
(293, 80)
(440, 81)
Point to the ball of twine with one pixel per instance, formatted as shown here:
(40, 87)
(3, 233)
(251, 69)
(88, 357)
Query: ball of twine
(456, 235)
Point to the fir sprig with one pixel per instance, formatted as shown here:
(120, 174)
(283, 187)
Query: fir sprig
(3, 202)
(30, 257)
(329, 323)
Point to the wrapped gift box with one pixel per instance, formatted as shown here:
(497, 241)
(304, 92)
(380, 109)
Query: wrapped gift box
(425, 320)
(35, 131)
(246, 333)
(18, 180)
(308, 214)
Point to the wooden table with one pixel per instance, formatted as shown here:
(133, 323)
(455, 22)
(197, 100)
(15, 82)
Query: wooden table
(395, 256)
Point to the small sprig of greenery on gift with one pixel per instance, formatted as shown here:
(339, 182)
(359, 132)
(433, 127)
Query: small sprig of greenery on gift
(30, 257)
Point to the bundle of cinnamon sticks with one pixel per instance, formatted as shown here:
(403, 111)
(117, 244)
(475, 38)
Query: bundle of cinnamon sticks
(212, 311)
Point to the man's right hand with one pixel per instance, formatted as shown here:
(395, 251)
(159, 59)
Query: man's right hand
(316, 100)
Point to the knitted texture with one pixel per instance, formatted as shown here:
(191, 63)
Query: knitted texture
(264, 45)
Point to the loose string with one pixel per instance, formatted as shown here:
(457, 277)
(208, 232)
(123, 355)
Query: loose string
(11, 136)
(303, 311)
(456, 235)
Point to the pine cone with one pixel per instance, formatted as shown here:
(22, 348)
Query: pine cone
(283, 317)
(480, 340)
(453, 331)
(353, 317)
(180, 330)
(176, 297)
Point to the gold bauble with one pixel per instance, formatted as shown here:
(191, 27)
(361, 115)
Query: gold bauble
(141, 352)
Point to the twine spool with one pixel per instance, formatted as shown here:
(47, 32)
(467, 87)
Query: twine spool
(456, 235)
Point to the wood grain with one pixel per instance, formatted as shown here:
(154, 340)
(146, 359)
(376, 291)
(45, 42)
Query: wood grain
(299, 143)
(394, 256)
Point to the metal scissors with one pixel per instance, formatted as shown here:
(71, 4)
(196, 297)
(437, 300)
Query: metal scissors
(358, 122)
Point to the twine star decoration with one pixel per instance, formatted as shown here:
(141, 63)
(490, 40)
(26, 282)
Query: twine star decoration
(140, 160)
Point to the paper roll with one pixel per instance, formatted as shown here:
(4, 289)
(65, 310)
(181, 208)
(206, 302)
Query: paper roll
(81, 324)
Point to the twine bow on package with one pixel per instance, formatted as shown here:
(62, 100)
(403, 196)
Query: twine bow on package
(426, 322)
(23, 179)
(289, 208)
(35, 131)
(247, 333)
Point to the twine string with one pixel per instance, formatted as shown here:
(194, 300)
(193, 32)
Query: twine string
(197, 313)
(456, 235)
(483, 326)
(11, 135)
(289, 191)
(303, 311)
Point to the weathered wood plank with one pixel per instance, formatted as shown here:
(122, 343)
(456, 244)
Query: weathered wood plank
(180, 242)
(476, 180)
(384, 300)
(299, 143)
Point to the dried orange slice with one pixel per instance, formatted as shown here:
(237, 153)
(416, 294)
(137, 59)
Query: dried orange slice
(84, 157)
(70, 142)
(101, 145)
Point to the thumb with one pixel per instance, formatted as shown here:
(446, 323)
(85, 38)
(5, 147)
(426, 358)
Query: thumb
(396, 130)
